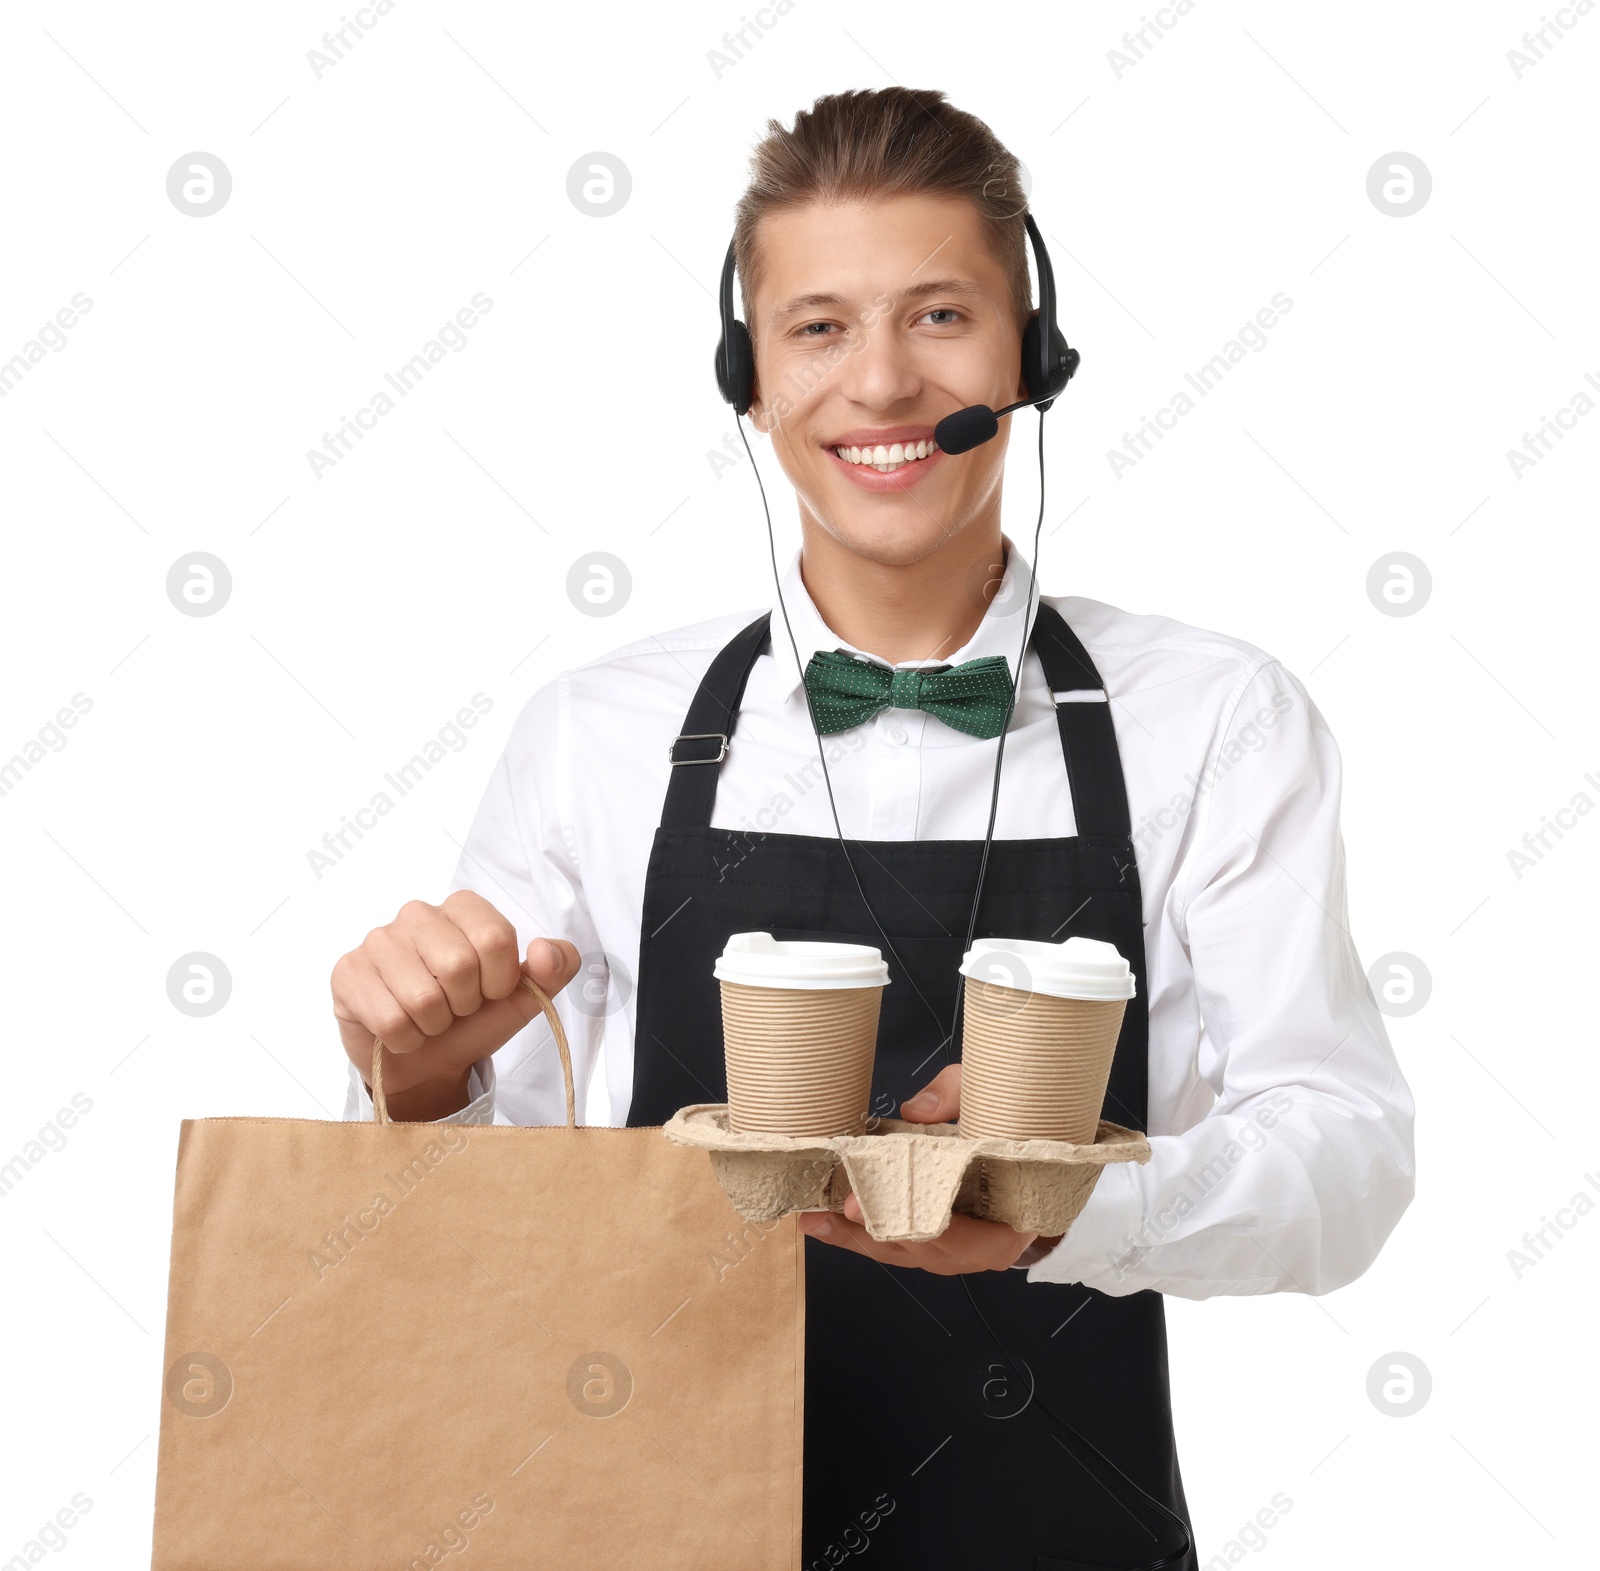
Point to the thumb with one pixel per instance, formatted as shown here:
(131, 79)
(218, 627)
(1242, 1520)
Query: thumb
(939, 1101)
(551, 963)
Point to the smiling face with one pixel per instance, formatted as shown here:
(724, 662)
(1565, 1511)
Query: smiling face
(872, 321)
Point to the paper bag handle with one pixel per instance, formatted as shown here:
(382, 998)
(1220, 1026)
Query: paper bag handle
(380, 1103)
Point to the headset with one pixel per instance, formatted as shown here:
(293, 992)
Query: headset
(1048, 361)
(1048, 364)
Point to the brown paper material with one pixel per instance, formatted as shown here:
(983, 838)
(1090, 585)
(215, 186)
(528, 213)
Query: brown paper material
(909, 1178)
(799, 1060)
(1034, 1067)
(390, 1343)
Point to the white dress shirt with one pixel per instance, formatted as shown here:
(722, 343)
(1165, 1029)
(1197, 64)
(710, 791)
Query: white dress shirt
(1279, 1121)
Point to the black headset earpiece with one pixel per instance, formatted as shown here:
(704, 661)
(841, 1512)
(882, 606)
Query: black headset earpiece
(736, 360)
(1048, 361)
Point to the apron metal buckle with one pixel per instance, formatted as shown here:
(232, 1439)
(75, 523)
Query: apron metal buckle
(698, 736)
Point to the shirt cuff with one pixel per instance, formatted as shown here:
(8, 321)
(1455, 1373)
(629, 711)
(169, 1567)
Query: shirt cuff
(480, 1097)
(1093, 1250)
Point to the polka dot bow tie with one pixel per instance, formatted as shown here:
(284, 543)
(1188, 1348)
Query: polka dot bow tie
(974, 697)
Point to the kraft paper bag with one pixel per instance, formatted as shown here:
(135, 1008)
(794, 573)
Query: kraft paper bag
(392, 1344)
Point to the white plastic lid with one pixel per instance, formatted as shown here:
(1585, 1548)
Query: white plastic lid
(760, 960)
(1077, 968)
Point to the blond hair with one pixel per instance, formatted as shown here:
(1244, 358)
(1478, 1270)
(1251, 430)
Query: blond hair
(892, 141)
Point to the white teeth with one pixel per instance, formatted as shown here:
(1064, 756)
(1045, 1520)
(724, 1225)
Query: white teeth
(886, 459)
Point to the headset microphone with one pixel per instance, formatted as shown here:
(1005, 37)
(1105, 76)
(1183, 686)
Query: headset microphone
(978, 423)
(968, 428)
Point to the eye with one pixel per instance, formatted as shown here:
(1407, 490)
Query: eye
(948, 312)
(805, 332)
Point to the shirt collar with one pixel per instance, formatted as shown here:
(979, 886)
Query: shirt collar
(999, 633)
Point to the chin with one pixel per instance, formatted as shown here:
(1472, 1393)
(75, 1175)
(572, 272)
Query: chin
(905, 537)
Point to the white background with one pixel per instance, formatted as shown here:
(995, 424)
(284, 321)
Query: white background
(367, 606)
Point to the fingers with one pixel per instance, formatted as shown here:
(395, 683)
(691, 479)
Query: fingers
(365, 1007)
(493, 940)
(450, 973)
(832, 1228)
(430, 970)
(440, 964)
(938, 1102)
(966, 1245)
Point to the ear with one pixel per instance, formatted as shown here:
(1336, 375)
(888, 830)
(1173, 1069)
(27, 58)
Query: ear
(759, 414)
(768, 417)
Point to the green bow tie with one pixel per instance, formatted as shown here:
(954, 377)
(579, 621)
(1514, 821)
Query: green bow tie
(974, 697)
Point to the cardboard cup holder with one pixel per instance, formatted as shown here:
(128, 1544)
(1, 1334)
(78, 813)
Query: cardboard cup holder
(909, 1178)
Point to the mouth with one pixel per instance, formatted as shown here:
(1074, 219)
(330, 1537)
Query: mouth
(886, 457)
(886, 460)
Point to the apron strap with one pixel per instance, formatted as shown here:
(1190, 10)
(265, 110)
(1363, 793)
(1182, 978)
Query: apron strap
(1088, 739)
(698, 752)
(1083, 714)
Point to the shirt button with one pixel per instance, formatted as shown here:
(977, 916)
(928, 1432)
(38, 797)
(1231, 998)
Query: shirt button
(895, 735)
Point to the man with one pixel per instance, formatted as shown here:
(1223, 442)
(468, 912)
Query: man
(885, 284)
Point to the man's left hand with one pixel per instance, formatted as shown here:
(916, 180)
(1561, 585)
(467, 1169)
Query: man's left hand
(965, 1245)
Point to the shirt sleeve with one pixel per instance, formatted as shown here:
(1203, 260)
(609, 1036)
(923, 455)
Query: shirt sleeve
(520, 855)
(1304, 1162)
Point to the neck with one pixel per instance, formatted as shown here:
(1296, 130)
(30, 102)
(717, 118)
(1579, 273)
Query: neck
(923, 610)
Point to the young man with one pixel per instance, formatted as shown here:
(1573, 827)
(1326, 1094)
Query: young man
(885, 283)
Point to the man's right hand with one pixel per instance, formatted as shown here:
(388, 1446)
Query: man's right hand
(439, 986)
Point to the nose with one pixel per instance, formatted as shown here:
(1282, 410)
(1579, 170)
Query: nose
(881, 368)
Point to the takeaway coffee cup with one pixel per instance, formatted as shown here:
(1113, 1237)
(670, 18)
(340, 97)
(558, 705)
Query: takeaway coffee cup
(1040, 1026)
(799, 1030)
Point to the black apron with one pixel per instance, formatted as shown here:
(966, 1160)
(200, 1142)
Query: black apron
(921, 1441)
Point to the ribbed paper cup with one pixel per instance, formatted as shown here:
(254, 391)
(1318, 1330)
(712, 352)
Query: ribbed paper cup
(799, 1060)
(1035, 1064)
